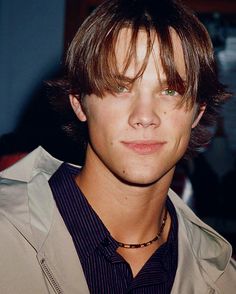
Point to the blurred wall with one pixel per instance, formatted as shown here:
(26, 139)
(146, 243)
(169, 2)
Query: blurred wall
(31, 34)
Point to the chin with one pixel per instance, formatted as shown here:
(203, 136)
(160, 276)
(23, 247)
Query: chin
(140, 178)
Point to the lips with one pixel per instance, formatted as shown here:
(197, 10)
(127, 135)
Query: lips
(144, 147)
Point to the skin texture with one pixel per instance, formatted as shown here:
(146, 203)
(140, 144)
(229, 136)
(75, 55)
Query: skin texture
(136, 137)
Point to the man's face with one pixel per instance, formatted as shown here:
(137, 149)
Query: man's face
(139, 133)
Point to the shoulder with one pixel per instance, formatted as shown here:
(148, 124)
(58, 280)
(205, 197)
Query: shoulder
(26, 180)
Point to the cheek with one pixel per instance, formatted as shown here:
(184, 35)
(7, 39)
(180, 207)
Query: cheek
(105, 119)
(102, 128)
(179, 129)
(182, 121)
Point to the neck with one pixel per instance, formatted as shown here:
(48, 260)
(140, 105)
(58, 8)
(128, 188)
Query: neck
(131, 213)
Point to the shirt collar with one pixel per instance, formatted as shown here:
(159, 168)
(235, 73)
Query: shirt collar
(89, 233)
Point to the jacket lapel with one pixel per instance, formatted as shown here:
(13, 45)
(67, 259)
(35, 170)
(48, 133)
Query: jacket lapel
(59, 253)
(189, 276)
(203, 254)
(28, 203)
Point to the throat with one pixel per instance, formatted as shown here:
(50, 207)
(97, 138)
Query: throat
(137, 258)
(136, 255)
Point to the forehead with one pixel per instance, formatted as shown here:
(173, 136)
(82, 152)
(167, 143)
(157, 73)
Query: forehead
(125, 49)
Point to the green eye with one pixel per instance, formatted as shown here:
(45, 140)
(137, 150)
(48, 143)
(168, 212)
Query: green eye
(170, 92)
(121, 89)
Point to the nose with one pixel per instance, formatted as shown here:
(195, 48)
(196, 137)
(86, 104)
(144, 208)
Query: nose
(144, 114)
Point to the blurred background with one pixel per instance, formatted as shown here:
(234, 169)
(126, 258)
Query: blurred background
(34, 36)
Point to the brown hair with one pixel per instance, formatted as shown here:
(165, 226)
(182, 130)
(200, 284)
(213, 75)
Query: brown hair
(92, 68)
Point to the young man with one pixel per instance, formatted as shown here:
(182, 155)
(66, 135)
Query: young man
(142, 82)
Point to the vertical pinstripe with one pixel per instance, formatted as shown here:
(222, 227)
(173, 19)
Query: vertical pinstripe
(105, 270)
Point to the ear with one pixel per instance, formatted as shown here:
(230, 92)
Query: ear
(77, 107)
(199, 113)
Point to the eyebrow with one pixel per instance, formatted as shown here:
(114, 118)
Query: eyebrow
(130, 80)
(125, 78)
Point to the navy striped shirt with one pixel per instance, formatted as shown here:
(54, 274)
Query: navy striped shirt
(105, 270)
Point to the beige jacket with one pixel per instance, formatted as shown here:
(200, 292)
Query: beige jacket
(37, 255)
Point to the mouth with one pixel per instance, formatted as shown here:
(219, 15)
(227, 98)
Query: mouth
(144, 147)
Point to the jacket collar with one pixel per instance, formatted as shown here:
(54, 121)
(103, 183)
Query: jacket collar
(26, 168)
(26, 198)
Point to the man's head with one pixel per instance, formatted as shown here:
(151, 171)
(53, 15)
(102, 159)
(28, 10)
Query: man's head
(142, 128)
(92, 61)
